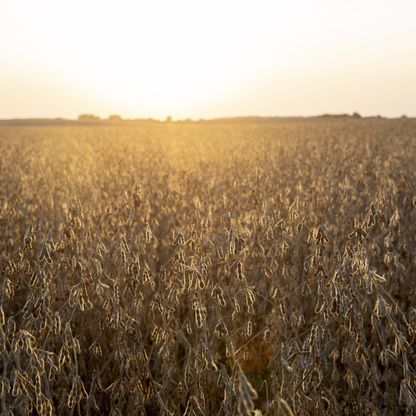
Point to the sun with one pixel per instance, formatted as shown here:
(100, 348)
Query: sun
(155, 57)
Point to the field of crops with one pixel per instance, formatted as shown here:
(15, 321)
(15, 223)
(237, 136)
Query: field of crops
(209, 268)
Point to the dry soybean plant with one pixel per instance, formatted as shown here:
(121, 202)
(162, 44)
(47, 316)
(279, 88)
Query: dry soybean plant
(209, 268)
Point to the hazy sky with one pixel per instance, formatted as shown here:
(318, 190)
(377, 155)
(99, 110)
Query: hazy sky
(155, 58)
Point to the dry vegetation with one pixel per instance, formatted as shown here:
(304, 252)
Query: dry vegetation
(204, 269)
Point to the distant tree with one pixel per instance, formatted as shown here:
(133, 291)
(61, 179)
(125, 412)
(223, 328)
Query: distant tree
(168, 119)
(356, 115)
(404, 116)
(88, 117)
(115, 117)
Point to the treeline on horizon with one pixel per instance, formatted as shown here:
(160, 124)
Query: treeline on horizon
(91, 119)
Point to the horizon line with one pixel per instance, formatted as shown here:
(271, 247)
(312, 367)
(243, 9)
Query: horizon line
(115, 117)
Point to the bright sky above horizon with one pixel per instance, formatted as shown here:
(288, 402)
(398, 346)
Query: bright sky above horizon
(207, 59)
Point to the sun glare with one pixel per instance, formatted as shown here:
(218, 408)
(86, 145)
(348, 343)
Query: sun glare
(163, 57)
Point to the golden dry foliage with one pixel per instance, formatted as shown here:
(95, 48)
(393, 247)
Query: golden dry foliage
(209, 268)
